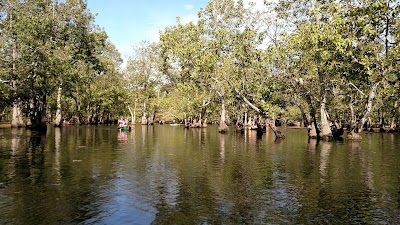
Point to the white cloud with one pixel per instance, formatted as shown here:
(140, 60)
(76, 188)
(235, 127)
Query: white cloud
(189, 7)
(189, 18)
(153, 34)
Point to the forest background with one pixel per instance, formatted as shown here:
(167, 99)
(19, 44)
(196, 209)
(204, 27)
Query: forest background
(310, 62)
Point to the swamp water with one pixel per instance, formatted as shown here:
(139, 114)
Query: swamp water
(171, 175)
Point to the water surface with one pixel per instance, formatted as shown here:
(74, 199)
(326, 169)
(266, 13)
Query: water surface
(171, 175)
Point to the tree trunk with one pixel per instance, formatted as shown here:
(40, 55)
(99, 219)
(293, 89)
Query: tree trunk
(326, 133)
(313, 118)
(353, 118)
(303, 113)
(17, 112)
(31, 113)
(223, 128)
(58, 119)
(16, 115)
(307, 97)
(88, 114)
(393, 120)
(368, 107)
(382, 122)
(245, 119)
(144, 116)
(38, 116)
(132, 116)
(204, 123)
(203, 109)
(312, 131)
(78, 109)
(355, 132)
(151, 118)
(278, 134)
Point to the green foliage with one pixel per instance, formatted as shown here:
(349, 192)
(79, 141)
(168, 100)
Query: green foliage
(277, 60)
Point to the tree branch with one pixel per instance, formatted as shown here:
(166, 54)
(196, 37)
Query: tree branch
(357, 89)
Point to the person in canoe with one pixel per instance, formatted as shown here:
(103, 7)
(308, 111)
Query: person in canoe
(120, 123)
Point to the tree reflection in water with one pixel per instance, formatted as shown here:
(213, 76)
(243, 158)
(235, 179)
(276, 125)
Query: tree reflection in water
(163, 174)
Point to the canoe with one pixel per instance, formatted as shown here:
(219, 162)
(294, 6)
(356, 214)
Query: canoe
(124, 128)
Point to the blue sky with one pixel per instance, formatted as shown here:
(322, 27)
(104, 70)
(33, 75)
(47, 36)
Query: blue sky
(128, 22)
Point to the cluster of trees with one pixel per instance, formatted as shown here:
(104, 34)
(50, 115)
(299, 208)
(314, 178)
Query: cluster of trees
(54, 60)
(318, 62)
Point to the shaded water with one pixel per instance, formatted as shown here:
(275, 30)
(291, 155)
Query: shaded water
(170, 175)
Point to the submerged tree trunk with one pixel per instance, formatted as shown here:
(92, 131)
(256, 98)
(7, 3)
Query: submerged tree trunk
(393, 121)
(353, 117)
(134, 113)
(382, 122)
(16, 115)
(58, 119)
(144, 116)
(313, 131)
(17, 111)
(38, 116)
(78, 109)
(278, 133)
(313, 118)
(355, 132)
(326, 133)
(132, 116)
(223, 128)
(89, 114)
(151, 117)
(204, 123)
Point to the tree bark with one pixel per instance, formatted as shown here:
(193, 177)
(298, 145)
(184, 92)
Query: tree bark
(16, 115)
(78, 109)
(58, 119)
(393, 121)
(223, 128)
(368, 107)
(326, 133)
(382, 122)
(151, 118)
(303, 113)
(17, 112)
(144, 116)
(313, 116)
(132, 116)
(355, 132)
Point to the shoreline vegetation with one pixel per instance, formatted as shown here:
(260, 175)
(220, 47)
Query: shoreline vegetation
(371, 130)
(331, 65)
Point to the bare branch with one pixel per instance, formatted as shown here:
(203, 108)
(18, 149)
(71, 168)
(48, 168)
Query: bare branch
(357, 89)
